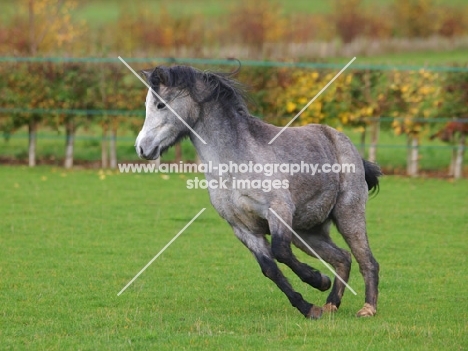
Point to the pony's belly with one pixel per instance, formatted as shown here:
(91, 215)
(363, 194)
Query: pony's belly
(250, 208)
(313, 213)
(241, 208)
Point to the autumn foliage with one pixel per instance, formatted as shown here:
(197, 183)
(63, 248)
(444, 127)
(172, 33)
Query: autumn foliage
(48, 27)
(72, 95)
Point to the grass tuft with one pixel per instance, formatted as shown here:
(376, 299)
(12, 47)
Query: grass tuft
(71, 240)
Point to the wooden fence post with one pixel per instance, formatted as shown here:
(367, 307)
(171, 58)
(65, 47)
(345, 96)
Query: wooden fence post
(412, 155)
(375, 129)
(460, 152)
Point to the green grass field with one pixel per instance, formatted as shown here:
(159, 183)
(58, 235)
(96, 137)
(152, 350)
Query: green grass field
(71, 240)
(102, 11)
(418, 58)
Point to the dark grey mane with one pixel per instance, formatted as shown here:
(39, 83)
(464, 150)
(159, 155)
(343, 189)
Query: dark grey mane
(217, 86)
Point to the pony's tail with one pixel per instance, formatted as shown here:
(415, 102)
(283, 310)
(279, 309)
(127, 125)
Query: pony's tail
(372, 174)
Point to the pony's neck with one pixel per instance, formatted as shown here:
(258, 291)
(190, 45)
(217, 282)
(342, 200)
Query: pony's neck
(226, 134)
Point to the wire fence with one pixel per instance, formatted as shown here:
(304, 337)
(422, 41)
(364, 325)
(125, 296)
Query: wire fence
(21, 137)
(93, 112)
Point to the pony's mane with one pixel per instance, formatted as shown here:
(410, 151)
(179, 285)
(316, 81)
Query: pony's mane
(218, 86)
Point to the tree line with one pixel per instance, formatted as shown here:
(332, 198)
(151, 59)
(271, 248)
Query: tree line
(71, 95)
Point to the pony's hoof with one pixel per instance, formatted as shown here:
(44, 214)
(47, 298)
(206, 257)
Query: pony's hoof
(315, 312)
(367, 311)
(329, 308)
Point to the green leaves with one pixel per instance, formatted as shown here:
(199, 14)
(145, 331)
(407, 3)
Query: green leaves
(55, 86)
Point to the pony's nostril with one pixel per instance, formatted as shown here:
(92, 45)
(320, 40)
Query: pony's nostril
(141, 151)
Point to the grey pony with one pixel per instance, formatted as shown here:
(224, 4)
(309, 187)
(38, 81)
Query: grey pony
(214, 106)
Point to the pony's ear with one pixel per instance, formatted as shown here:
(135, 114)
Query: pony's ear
(146, 73)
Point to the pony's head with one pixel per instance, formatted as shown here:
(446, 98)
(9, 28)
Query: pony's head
(179, 98)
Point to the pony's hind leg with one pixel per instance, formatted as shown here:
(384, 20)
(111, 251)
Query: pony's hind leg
(261, 249)
(351, 223)
(319, 240)
(281, 238)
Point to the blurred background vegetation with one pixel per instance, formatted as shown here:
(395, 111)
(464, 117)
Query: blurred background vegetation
(96, 106)
(273, 29)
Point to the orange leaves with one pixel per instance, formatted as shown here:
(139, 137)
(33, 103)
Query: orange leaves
(42, 26)
(423, 18)
(257, 22)
(249, 29)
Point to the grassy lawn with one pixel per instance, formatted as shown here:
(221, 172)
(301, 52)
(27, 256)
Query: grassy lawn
(419, 58)
(213, 7)
(102, 11)
(71, 240)
(97, 13)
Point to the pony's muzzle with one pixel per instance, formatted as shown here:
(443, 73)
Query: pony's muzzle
(147, 149)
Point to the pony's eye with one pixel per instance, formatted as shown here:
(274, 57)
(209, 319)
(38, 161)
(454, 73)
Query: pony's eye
(160, 105)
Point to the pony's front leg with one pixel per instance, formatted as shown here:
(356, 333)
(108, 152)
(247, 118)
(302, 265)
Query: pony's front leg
(260, 247)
